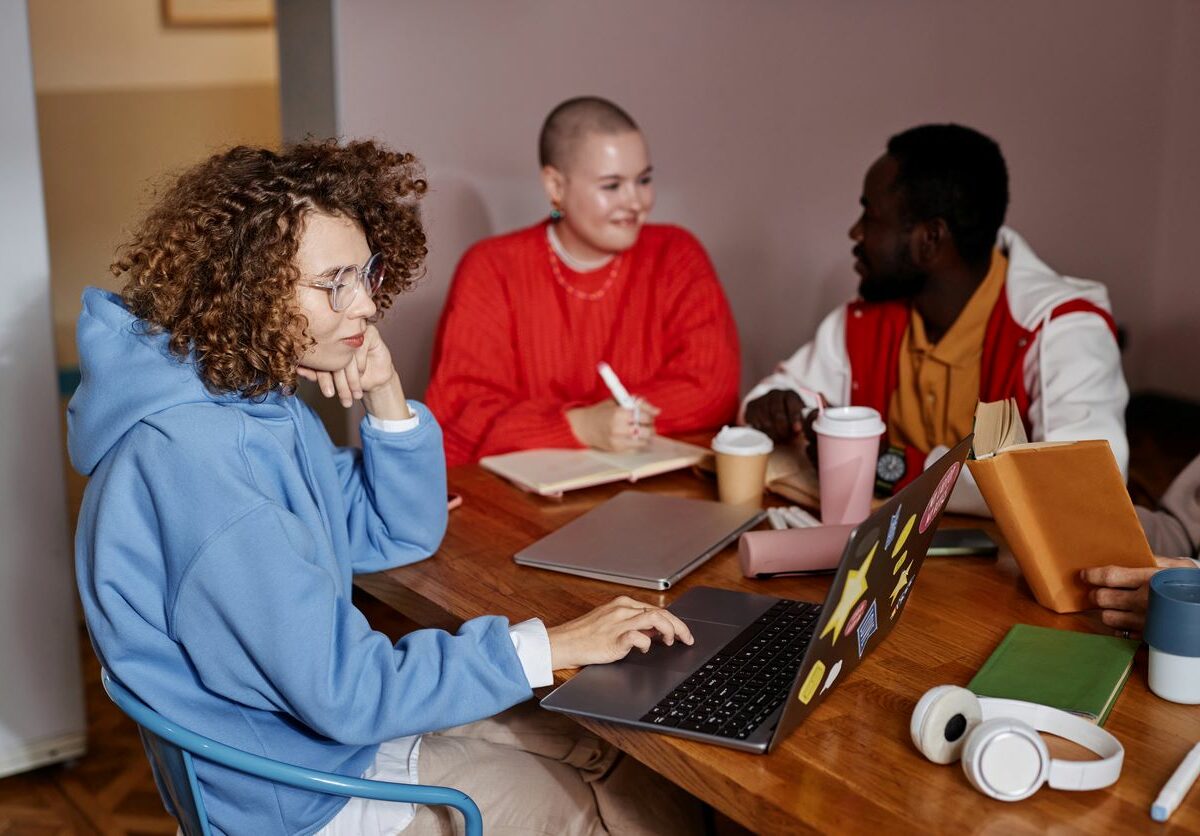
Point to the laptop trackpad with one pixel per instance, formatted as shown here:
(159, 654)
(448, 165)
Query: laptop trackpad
(629, 688)
(679, 657)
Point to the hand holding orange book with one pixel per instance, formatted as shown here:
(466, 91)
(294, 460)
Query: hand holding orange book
(1062, 506)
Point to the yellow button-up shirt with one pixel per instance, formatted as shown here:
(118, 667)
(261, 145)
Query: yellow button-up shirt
(938, 387)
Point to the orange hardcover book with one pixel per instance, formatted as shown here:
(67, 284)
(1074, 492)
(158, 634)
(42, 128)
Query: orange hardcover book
(1062, 506)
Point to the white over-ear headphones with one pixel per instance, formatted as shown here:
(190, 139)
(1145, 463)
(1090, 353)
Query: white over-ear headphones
(1001, 751)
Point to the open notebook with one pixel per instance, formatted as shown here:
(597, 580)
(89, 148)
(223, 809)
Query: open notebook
(549, 472)
(790, 474)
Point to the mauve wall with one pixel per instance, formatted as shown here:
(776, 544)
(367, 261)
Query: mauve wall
(1170, 355)
(762, 118)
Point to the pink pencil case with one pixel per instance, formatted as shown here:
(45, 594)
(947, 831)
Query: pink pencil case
(764, 554)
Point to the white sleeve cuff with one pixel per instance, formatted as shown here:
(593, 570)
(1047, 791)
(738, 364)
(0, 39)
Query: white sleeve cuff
(532, 644)
(389, 425)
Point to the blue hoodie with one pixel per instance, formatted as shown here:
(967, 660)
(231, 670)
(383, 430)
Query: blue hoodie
(215, 549)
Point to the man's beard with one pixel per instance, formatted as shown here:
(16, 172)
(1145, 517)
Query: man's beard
(889, 288)
(904, 281)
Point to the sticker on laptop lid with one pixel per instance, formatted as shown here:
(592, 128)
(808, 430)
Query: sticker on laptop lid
(855, 616)
(940, 495)
(833, 675)
(854, 588)
(904, 535)
(903, 596)
(892, 523)
(868, 627)
(811, 682)
(901, 583)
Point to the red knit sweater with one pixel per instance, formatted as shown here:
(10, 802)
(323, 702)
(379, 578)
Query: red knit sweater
(514, 350)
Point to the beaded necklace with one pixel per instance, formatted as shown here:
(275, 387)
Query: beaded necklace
(594, 295)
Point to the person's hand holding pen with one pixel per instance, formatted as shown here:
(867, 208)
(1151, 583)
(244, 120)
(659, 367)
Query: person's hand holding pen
(620, 424)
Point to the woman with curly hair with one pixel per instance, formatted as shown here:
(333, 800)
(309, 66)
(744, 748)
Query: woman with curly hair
(532, 313)
(221, 528)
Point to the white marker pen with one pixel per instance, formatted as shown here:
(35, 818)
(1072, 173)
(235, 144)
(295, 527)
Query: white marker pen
(621, 395)
(619, 392)
(1177, 785)
(799, 518)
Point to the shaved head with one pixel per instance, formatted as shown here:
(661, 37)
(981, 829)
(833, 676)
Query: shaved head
(573, 121)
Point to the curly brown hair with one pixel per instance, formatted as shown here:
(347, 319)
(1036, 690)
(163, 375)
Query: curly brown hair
(213, 263)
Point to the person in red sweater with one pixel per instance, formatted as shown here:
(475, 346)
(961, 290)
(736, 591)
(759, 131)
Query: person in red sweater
(531, 313)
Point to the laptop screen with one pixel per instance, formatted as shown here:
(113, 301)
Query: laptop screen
(879, 565)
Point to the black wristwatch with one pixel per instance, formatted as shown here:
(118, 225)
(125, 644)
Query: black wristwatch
(889, 470)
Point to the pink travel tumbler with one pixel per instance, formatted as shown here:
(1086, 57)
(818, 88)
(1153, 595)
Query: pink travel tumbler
(847, 450)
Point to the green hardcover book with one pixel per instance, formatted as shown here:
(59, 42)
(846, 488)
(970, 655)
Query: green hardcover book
(1078, 672)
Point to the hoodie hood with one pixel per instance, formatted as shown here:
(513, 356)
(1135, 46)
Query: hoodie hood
(127, 375)
(1034, 290)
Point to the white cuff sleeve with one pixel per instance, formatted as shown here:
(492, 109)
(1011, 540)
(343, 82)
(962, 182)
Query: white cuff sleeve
(389, 425)
(532, 644)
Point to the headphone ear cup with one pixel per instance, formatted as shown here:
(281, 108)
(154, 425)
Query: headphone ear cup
(921, 711)
(942, 720)
(1006, 759)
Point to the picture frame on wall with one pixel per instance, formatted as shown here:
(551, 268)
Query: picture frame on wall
(218, 12)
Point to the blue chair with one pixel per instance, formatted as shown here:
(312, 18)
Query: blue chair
(171, 749)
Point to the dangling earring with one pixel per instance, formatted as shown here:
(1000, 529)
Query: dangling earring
(556, 213)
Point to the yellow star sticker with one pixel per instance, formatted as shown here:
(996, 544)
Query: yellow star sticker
(899, 562)
(900, 582)
(854, 588)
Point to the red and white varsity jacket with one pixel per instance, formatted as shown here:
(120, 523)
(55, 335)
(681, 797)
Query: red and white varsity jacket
(1050, 344)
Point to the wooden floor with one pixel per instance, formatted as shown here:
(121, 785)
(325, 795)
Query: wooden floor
(110, 790)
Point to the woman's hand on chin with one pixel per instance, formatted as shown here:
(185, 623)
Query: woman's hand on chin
(369, 377)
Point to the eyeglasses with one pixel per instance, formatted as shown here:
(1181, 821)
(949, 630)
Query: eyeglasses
(343, 287)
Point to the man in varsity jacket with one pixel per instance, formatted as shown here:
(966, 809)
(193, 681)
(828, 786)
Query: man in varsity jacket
(953, 309)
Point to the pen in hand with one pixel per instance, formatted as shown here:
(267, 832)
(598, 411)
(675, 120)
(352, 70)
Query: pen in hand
(621, 394)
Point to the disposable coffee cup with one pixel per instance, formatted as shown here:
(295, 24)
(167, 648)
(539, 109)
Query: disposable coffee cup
(1173, 633)
(847, 451)
(742, 454)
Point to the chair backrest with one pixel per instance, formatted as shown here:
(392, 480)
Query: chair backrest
(170, 748)
(176, 778)
(172, 764)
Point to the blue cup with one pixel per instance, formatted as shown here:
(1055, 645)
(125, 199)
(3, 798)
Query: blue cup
(1173, 633)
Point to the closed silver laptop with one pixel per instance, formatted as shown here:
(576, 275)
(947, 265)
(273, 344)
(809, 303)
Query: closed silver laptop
(641, 539)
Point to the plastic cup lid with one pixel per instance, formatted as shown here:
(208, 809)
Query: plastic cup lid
(850, 422)
(742, 441)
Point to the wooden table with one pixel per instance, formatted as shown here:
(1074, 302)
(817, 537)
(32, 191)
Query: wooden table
(850, 767)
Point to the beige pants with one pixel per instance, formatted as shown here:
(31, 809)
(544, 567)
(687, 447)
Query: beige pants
(536, 772)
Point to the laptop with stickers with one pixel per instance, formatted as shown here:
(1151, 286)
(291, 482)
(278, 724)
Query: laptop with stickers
(761, 664)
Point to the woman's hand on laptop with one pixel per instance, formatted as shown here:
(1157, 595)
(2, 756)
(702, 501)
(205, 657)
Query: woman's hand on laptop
(1123, 592)
(610, 631)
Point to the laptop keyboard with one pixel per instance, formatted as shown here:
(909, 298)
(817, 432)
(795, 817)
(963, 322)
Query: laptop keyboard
(732, 693)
